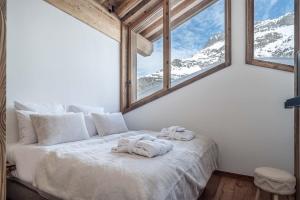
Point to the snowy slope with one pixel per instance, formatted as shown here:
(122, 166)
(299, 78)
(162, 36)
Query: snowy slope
(275, 38)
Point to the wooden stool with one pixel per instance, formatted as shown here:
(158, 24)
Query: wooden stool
(275, 181)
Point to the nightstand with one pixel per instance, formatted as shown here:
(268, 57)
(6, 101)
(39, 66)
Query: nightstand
(9, 168)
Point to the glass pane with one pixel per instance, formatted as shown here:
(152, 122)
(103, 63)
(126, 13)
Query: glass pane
(147, 57)
(274, 31)
(150, 71)
(198, 43)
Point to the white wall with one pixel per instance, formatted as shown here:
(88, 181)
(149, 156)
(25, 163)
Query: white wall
(240, 107)
(52, 57)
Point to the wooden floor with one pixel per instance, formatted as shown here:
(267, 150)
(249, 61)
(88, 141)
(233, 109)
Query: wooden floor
(223, 186)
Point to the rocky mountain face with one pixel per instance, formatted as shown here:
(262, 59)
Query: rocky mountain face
(272, 39)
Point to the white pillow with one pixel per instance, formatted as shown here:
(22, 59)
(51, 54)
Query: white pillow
(59, 128)
(26, 131)
(40, 108)
(90, 125)
(87, 110)
(109, 123)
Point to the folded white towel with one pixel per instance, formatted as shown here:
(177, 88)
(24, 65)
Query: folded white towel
(144, 145)
(176, 133)
(173, 129)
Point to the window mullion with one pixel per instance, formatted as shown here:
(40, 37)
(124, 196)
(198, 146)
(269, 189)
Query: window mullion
(228, 32)
(166, 44)
(297, 26)
(250, 31)
(133, 67)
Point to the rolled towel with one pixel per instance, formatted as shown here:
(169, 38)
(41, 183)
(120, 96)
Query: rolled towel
(176, 133)
(144, 145)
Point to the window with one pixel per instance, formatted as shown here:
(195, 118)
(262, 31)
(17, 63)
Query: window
(271, 33)
(150, 71)
(146, 67)
(174, 44)
(203, 45)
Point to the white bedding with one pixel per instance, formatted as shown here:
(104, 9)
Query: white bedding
(89, 170)
(26, 157)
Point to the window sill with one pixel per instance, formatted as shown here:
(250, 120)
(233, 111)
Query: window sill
(271, 65)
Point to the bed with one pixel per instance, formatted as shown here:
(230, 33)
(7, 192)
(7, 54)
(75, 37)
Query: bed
(88, 169)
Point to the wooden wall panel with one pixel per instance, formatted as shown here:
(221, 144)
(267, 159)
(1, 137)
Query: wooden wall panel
(123, 68)
(2, 97)
(166, 45)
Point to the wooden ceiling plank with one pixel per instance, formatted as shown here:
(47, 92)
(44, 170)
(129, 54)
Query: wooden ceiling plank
(126, 6)
(176, 12)
(146, 16)
(135, 10)
(91, 13)
(192, 11)
(145, 7)
(154, 17)
(152, 28)
(148, 21)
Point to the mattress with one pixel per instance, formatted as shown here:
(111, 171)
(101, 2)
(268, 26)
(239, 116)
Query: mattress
(89, 170)
(27, 157)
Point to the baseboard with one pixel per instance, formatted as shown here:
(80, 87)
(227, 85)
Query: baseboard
(234, 175)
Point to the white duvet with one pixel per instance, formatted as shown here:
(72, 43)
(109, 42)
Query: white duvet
(88, 170)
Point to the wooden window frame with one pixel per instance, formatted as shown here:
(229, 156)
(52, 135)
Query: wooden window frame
(126, 103)
(3, 29)
(250, 40)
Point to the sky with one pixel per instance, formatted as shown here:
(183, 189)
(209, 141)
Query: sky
(187, 39)
(269, 9)
(190, 37)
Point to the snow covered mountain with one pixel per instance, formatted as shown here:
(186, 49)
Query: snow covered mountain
(276, 34)
(273, 39)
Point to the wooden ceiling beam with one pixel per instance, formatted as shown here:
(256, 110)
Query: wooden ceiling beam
(191, 12)
(179, 19)
(135, 10)
(149, 16)
(140, 10)
(176, 11)
(126, 6)
(144, 46)
(91, 13)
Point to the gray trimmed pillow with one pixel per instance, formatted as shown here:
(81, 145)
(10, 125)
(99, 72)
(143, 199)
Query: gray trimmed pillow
(59, 128)
(40, 108)
(87, 110)
(26, 131)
